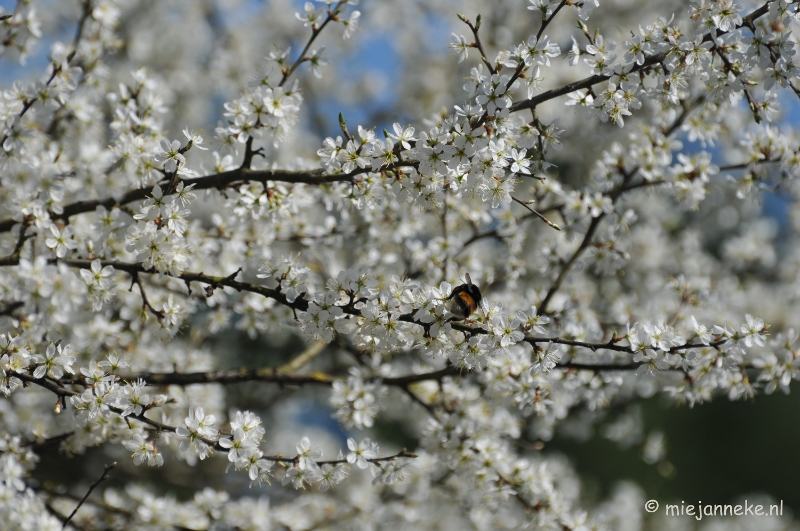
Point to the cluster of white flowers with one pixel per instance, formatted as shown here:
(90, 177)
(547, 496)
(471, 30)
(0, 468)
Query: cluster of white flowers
(157, 239)
(288, 276)
(129, 259)
(356, 402)
(482, 147)
(21, 507)
(269, 109)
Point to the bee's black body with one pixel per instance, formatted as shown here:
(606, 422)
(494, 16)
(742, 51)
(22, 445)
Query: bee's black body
(464, 300)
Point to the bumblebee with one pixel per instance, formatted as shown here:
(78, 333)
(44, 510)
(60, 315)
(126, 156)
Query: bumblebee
(464, 300)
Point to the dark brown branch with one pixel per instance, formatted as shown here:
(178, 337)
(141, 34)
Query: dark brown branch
(22, 237)
(102, 505)
(273, 375)
(402, 453)
(745, 165)
(546, 22)
(85, 14)
(494, 233)
(614, 195)
(98, 504)
(729, 68)
(161, 427)
(42, 382)
(562, 275)
(29, 102)
(145, 302)
(477, 43)
(403, 381)
(50, 440)
(599, 78)
(268, 374)
(317, 177)
(219, 181)
(333, 14)
(604, 366)
(729, 167)
(134, 269)
(94, 485)
(244, 374)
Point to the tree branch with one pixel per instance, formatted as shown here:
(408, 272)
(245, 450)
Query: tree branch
(599, 78)
(477, 42)
(219, 181)
(94, 485)
(315, 31)
(61, 391)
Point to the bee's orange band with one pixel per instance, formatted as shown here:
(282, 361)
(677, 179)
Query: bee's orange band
(467, 298)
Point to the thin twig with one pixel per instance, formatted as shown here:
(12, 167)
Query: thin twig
(402, 453)
(523, 203)
(546, 22)
(477, 43)
(730, 69)
(106, 469)
(565, 269)
(145, 302)
(333, 14)
(494, 233)
(445, 237)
